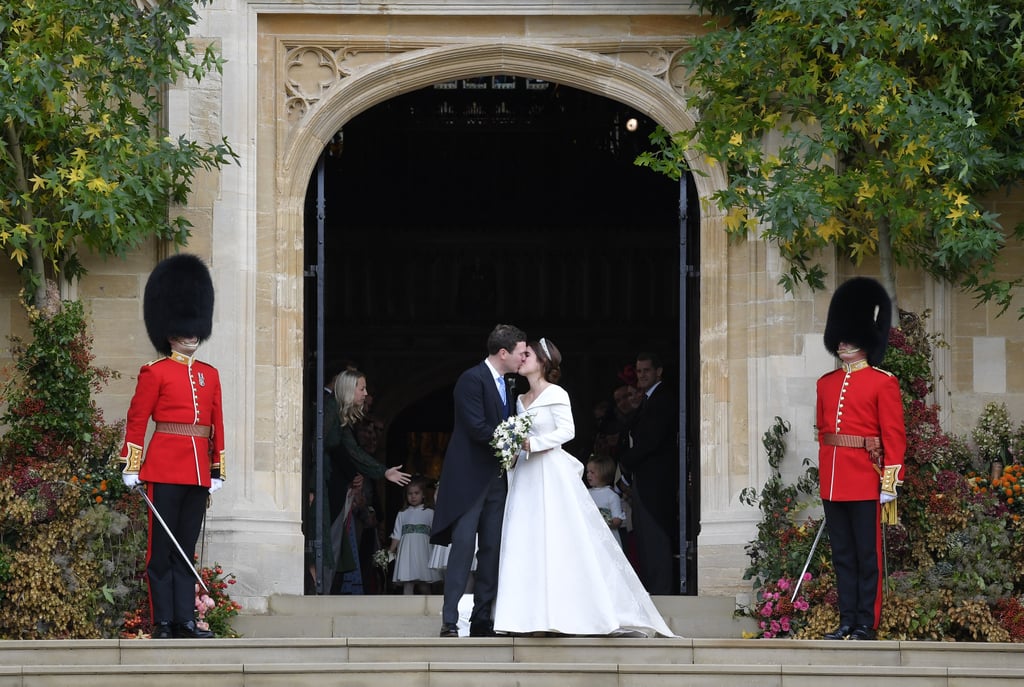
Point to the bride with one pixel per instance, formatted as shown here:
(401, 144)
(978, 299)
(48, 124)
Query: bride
(560, 568)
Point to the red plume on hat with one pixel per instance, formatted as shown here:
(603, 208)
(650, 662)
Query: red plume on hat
(860, 313)
(178, 301)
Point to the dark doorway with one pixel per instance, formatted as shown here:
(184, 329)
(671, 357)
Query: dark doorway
(497, 199)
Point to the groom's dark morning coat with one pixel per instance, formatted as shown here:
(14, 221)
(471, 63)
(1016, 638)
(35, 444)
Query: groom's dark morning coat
(469, 462)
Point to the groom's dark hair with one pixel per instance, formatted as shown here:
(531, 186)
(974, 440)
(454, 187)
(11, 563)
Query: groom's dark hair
(504, 336)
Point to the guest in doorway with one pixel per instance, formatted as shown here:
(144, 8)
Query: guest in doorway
(652, 459)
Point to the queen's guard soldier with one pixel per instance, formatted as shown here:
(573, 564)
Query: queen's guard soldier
(184, 461)
(862, 440)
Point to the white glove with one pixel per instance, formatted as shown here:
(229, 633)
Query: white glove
(131, 479)
(215, 484)
(886, 498)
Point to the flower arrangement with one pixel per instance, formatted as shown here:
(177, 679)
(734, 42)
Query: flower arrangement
(1007, 488)
(992, 433)
(955, 562)
(779, 612)
(214, 607)
(382, 558)
(508, 439)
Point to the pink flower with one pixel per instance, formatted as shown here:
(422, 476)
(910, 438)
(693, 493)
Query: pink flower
(801, 604)
(784, 622)
(767, 609)
(807, 577)
(783, 584)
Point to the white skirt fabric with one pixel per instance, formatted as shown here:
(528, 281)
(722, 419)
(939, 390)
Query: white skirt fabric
(439, 558)
(561, 569)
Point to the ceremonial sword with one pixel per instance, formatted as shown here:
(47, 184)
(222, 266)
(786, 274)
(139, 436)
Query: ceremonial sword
(156, 514)
(814, 546)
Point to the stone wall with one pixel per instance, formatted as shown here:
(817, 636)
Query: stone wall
(294, 74)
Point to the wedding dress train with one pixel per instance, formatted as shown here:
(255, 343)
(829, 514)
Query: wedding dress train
(561, 569)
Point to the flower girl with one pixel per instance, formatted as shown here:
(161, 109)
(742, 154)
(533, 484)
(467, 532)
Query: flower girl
(410, 542)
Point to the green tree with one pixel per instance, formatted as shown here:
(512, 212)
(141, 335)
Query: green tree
(85, 162)
(894, 120)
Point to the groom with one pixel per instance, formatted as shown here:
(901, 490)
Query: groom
(471, 495)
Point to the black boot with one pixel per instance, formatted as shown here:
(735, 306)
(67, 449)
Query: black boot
(161, 631)
(863, 633)
(841, 632)
(190, 631)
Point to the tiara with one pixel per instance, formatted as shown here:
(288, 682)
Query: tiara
(544, 347)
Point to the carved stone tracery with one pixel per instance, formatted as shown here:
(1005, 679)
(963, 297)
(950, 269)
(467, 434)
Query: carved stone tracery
(314, 67)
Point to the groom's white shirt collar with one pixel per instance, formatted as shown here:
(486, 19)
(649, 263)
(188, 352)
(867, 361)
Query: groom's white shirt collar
(494, 373)
(653, 387)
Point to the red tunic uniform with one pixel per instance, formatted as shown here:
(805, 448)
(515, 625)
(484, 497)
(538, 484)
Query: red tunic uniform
(863, 402)
(857, 404)
(184, 391)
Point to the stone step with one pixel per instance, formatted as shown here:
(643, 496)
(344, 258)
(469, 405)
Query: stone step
(519, 662)
(420, 616)
(383, 641)
(477, 674)
(511, 651)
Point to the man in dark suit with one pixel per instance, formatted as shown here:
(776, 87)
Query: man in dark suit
(653, 460)
(470, 507)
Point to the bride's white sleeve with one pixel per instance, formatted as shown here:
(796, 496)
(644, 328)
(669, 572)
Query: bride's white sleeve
(564, 429)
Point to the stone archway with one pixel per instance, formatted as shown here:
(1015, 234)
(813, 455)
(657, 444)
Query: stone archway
(319, 91)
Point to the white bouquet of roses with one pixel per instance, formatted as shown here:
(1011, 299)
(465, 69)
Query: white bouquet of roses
(508, 439)
(382, 557)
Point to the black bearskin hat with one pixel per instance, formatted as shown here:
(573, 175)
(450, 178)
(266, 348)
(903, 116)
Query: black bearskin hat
(860, 313)
(178, 301)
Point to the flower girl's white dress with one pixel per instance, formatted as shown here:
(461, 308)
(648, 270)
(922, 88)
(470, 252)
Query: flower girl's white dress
(561, 569)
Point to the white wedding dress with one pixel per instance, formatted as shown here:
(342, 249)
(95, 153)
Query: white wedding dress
(561, 569)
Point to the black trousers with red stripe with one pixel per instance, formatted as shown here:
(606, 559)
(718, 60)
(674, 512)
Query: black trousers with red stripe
(855, 533)
(172, 582)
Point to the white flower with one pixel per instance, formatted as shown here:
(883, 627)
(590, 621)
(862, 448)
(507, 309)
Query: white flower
(992, 433)
(382, 557)
(508, 439)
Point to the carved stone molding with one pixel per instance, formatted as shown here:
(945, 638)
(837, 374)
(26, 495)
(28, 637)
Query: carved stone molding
(312, 66)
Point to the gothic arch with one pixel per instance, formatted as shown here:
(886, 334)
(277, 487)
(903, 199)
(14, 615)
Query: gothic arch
(300, 141)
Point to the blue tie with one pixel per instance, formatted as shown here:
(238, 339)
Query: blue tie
(501, 392)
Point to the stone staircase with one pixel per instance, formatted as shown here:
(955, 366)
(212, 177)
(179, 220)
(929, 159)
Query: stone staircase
(391, 641)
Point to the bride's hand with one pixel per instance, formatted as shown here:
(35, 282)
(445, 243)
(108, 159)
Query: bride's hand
(520, 455)
(526, 444)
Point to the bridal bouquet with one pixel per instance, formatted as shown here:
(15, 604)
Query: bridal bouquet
(382, 557)
(508, 439)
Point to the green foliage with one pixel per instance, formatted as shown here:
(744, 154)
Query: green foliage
(955, 562)
(49, 403)
(893, 121)
(782, 545)
(84, 162)
(56, 472)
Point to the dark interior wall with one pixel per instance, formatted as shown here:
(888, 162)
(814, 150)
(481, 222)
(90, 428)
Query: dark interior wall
(449, 210)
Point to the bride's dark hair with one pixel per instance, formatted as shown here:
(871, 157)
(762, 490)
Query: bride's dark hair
(549, 357)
